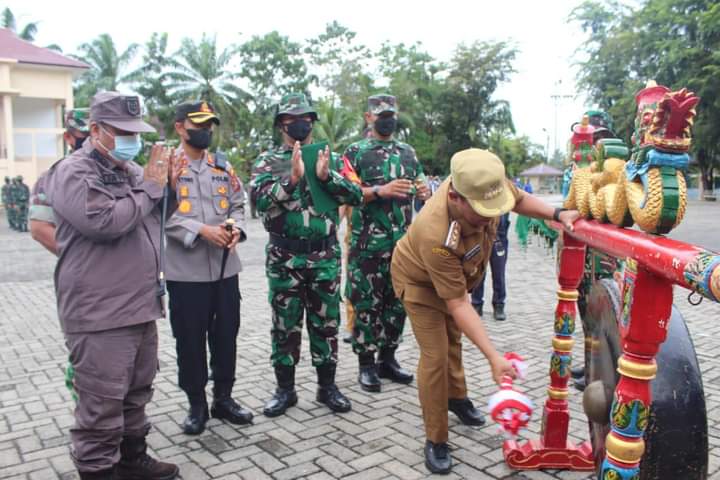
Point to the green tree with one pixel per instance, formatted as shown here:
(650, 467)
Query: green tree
(467, 107)
(202, 71)
(340, 67)
(150, 81)
(271, 66)
(107, 67)
(338, 125)
(675, 42)
(28, 32)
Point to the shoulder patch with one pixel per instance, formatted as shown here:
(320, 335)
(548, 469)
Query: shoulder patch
(440, 251)
(452, 239)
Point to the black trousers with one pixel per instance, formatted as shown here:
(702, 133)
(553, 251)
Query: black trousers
(205, 313)
(498, 260)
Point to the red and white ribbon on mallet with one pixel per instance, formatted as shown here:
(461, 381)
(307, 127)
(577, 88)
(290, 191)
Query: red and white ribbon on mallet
(508, 407)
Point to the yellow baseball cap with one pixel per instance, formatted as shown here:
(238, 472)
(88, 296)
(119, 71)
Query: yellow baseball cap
(479, 176)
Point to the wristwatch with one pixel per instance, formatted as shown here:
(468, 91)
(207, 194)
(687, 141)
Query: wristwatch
(557, 212)
(376, 191)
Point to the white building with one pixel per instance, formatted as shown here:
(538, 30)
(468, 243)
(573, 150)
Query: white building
(35, 91)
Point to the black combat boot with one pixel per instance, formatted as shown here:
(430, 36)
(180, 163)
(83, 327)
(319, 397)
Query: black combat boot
(437, 457)
(136, 464)
(388, 367)
(225, 408)
(285, 396)
(99, 475)
(577, 372)
(328, 392)
(466, 411)
(368, 377)
(499, 312)
(197, 417)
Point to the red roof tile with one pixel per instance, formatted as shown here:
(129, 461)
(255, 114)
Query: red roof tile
(25, 52)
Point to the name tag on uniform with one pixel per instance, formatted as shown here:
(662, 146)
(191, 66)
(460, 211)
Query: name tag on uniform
(223, 178)
(471, 253)
(113, 178)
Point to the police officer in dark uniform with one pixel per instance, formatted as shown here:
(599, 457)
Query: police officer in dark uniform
(204, 308)
(498, 261)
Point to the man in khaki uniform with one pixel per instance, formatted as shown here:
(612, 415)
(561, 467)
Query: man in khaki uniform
(441, 259)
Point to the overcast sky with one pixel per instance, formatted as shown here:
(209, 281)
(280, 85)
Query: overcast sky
(540, 30)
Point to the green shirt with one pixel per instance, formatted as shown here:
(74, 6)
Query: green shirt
(378, 225)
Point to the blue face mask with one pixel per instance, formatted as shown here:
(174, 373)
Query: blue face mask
(126, 148)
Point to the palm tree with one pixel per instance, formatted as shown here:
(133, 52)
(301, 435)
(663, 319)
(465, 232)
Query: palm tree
(204, 72)
(106, 67)
(337, 125)
(28, 32)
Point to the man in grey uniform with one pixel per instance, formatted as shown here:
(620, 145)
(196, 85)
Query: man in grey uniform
(205, 308)
(107, 212)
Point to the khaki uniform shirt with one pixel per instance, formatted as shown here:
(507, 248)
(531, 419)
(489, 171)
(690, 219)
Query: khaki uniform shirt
(206, 195)
(442, 257)
(108, 237)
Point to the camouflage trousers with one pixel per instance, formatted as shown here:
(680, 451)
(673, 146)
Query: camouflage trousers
(22, 217)
(379, 314)
(313, 293)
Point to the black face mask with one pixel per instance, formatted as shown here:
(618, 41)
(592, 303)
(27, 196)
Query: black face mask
(385, 126)
(79, 142)
(200, 138)
(298, 129)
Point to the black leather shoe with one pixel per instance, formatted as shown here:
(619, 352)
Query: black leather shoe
(368, 377)
(333, 398)
(194, 423)
(478, 309)
(347, 337)
(285, 396)
(466, 411)
(136, 464)
(437, 457)
(282, 400)
(499, 312)
(577, 372)
(328, 392)
(228, 409)
(388, 367)
(580, 384)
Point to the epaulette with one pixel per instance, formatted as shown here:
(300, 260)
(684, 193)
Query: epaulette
(452, 239)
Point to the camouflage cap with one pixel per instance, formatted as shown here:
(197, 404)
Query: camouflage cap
(78, 119)
(382, 103)
(120, 111)
(295, 104)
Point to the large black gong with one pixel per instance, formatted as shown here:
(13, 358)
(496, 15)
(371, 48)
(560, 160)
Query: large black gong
(676, 440)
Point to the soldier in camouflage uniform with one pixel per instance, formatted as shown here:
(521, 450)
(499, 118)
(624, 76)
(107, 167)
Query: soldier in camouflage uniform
(6, 200)
(41, 215)
(21, 198)
(303, 256)
(390, 174)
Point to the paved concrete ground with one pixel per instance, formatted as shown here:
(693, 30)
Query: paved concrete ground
(381, 438)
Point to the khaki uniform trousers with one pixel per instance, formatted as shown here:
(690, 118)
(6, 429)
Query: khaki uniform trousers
(440, 373)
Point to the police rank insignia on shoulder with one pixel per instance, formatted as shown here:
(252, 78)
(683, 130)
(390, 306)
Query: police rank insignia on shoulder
(440, 251)
(452, 239)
